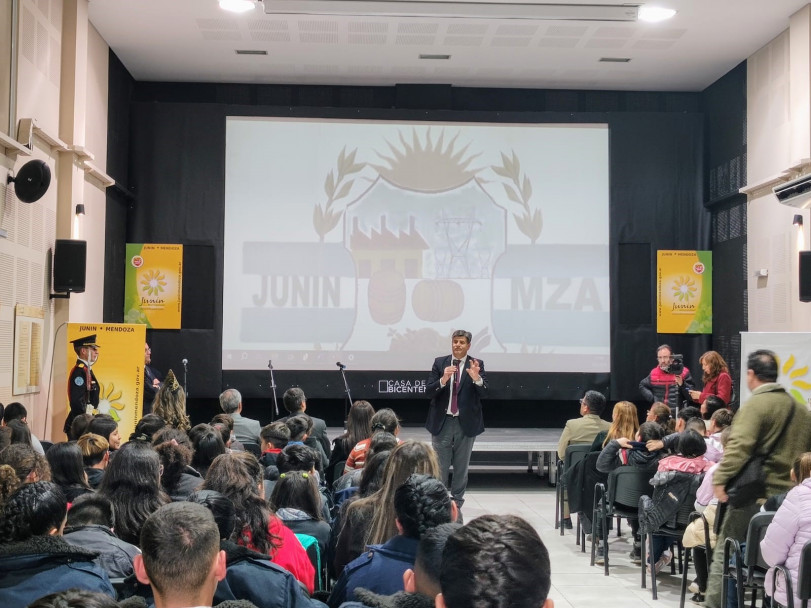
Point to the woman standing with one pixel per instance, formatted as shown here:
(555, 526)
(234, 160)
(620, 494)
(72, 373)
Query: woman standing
(717, 380)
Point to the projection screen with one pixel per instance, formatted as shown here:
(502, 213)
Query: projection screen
(370, 242)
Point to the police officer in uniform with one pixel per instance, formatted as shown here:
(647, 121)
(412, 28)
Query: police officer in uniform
(83, 389)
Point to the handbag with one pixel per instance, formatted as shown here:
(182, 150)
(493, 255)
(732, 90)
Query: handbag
(749, 484)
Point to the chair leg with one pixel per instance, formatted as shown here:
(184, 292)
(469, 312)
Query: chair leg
(594, 535)
(652, 569)
(683, 593)
(619, 531)
(582, 538)
(557, 506)
(605, 542)
(577, 532)
(642, 550)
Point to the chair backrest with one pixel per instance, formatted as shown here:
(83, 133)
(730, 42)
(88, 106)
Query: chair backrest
(310, 544)
(757, 530)
(686, 508)
(804, 573)
(627, 484)
(575, 453)
(253, 448)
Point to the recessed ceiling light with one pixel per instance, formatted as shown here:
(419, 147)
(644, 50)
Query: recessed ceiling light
(250, 52)
(655, 14)
(237, 6)
(615, 59)
(428, 56)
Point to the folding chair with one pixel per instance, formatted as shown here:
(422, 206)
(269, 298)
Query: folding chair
(688, 551)
(626, 485)
(574, 453)
(803, 581)
(749, 569)
(313, 549)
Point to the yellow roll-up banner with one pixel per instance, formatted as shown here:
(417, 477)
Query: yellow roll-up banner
(684, 292)
(153, 285)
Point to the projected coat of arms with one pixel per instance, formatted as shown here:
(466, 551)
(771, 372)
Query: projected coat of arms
(414, 236)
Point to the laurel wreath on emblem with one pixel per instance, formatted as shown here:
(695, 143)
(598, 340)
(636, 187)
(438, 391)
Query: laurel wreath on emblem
(529, 221)
(336, 187)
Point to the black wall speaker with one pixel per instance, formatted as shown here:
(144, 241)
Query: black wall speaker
(805, 276)
(70, 265)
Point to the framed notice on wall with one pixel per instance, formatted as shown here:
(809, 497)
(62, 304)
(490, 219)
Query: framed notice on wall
(153, 285)
(28, 327)
(684, 292)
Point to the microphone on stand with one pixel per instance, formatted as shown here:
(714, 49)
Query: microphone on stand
(273, 388)
(185, 363)
(340, 365)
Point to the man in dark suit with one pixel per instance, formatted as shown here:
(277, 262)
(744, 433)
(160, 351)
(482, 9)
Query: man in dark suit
(152, 381)
(456, 385)
(246, 430)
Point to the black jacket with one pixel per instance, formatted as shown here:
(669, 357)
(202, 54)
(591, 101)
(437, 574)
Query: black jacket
(670, 491)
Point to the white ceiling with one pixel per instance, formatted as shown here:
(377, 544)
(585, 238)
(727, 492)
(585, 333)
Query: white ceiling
(195, 41)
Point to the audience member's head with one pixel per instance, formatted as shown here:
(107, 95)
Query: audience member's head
(169, 433)
(75, 598)
(230, 401)
(170, 403)
(422, 502)
(696, 424)
(300, 426)
(711, 405)
(358, 424)
(207, 444)
(67, 466)
(380, 442)
(91, 510)
(79, 426)
(14, 411)
(294, 400)
(720, 420)
(385, 420)
(181, 558)
(20, 433)
(624, 422)
(147, 427)
(495, 561)
(692, 444)
(371, 477)
(297, 457)
(95, 450)
(224, 431)
(660, 413)
(801, 468)
(649, 431)
(424, 578)
(28, 465)
(106, 426)
(593, 402)
(685, 414)
(174, 459)
(763, 365)
(297, 490)
(274, 435)
(221, 508)
(34, 509)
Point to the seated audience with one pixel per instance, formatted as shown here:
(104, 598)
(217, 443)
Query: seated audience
(170, 403)
(671, 442)
(420, 503)
(27, 464)
(207, 445)
(132, 483)
(107, 427)
(298, 457)
(381, 441)
(789, 531)
(178, 479)
(495, 561)
(95, 457)
(79, 426)
(90, 524)
(34, 558)
(297, 503)
(17, 411)
(358, 427)
(75, 598)
(300, 426)
(660, 413)
(20, 433)
(249, 575)
(720, 420)
(181, 560)
(624, 423)
(272, 440)
(238, 476)
(711, 405)
(67, 469)
(146, 427)
(384, 420)
(228, 421)
(370, 520)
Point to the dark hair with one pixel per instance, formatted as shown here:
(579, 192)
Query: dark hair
(14, 411)
(764, 365)
(223, 430)
(294, 399)
(179, 543)
(691, 444)
(174, 459)
(20, 433)
(421, 503)
(380, 442)
(237, 476)
(223, 418)
(276, 434)
(429, 552)
(371, 476)
(385, 420)
(715, 362)
(299, 425)
(495, 561)
(461, 333)
(132, 484)
(714, 404)
(75, 598)
(34, 509)
(688, 412)
(697, 424)
(5, 437)
(167, 433)
(221, 508)
(297, 490)
(595, 401)
(67, 466)
(25, 460)
(661, 413)
(297, 457)
(93, 448)
(103, 424)
(358, 425)
(723, 418)
(79, 426)
(207, 444)
(650, 430)
(147, 427)
(91, 510)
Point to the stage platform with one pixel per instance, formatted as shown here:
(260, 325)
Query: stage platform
(540, 445)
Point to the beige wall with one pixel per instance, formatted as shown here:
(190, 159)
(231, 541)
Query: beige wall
(47, 54)
(778, 149)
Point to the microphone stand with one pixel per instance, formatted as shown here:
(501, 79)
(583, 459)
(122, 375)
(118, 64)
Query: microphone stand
(186, 377)
(273, 388)
(348, 402)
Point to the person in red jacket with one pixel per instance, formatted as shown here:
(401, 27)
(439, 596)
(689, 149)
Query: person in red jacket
(669, 382)
(717, 380)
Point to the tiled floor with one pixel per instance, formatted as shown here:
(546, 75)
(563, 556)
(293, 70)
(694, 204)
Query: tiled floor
(575, 584)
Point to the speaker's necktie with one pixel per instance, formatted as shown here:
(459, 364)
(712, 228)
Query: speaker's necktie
(455, 389)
